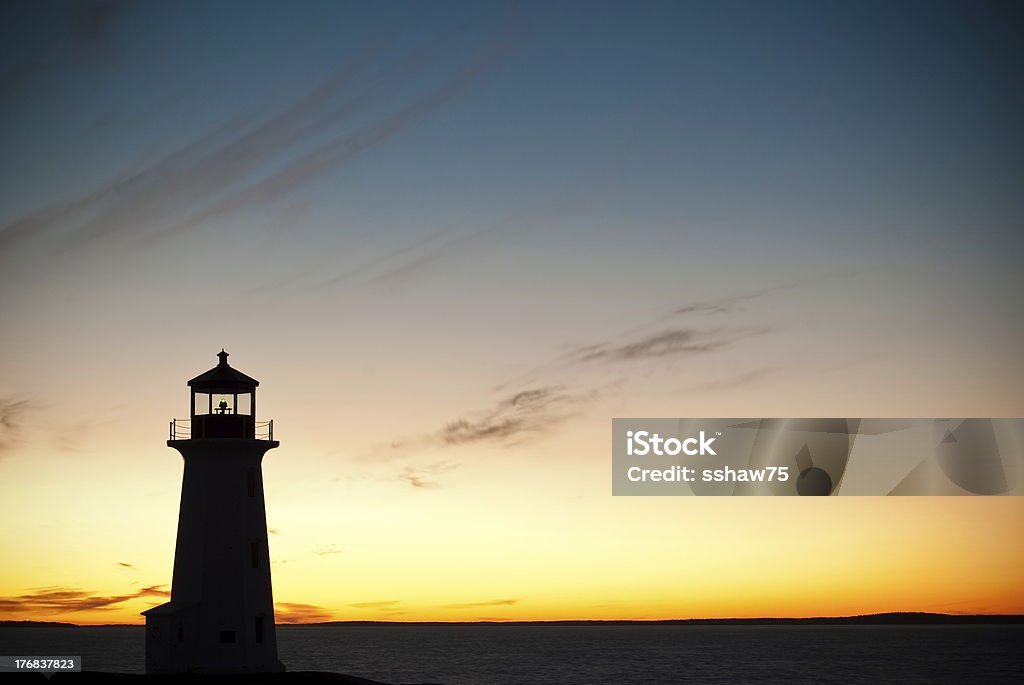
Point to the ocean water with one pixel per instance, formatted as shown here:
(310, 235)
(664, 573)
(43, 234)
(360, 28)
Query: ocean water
(571, 654)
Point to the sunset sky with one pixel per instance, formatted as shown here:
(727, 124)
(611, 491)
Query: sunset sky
(453, 240)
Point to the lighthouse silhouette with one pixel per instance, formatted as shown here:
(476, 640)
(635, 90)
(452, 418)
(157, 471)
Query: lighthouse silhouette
(220, 618)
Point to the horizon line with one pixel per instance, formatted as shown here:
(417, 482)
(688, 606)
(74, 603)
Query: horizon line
(890, 617)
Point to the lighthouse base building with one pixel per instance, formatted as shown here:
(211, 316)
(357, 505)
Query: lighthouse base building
(220, 618)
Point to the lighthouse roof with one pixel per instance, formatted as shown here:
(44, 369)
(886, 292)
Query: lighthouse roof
(223, 378)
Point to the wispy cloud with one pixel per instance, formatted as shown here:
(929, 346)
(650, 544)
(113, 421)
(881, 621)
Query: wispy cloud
(666, 343)
(125, 564)
(327, 550)
(487, 603)
(361, 263)
(514, 418)
(737, 381)
(381, 604)
(240, 164)
(717, 307)
(661, 344)
(525, 413)
(692, 330)
(61, 599)
(733, 303)
(425, 476)
(672, 339)
(443, 248)
(293, 612)
(72, 438)
(533, 411)
(11, 412)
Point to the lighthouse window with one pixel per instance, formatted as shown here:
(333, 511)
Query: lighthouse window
(259, 629)
(203, 403)
(254, 553)
(250, 482)
(227, 636)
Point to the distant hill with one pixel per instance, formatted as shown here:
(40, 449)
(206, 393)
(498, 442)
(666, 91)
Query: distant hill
(892, 618)
(36, 624)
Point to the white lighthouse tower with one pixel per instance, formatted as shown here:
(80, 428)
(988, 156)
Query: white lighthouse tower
(220, 618)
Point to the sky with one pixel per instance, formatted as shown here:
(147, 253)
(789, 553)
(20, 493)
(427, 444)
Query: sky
(452, 241)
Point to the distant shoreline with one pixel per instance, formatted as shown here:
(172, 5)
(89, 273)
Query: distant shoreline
(892, 618)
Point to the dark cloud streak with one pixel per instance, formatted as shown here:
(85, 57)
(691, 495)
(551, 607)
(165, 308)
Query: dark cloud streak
(666, 343)
(527, 412)
(11, 411)
(58, 599)
(294, 612)
(487, 603)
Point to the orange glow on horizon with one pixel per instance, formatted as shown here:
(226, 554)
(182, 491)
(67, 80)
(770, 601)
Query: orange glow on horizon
(853, 556)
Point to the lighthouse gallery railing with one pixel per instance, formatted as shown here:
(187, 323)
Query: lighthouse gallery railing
(181, 429)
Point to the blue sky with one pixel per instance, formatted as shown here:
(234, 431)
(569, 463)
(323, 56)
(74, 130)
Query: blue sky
(502, 182)
(732, 114)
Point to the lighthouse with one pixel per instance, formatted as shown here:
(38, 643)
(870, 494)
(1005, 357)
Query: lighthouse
(220, 617)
